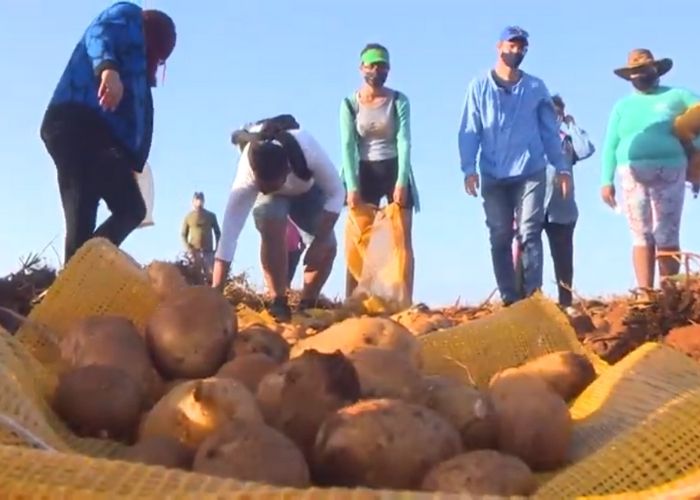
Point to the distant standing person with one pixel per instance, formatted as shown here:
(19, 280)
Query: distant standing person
(99, 122)
(640, 145)
(510, 120)
(375, 131)
(561, 213)
(197, 230)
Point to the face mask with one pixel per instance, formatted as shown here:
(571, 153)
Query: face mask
(645, 82)
(376, 80)
(512, 59)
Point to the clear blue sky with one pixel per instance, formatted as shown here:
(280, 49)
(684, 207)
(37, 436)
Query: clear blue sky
(239, 61)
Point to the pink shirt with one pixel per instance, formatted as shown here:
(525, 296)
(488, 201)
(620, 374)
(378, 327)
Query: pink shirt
(293, 237)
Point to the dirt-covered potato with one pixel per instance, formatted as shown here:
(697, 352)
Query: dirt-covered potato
(252, 452)
(385, 373)
(99, 401)
(159, 450)
(354, 333)
(249, 369)
(382, 443)
(260, 339)
(300, 394)
(190, 333)
(165, 278)
(467, 408)
(193, 410)
(566, 372)
(482, 472)
(534, 422)
(111, 340)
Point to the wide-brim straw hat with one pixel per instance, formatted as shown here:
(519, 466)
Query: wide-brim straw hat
(641, 58)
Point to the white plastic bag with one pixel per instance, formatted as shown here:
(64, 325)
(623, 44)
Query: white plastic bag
(145, 182)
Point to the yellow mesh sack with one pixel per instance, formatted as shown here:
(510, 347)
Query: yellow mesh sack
(481, 348)
(635, 426)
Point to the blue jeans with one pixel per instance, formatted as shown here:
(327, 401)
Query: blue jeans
(522, 200)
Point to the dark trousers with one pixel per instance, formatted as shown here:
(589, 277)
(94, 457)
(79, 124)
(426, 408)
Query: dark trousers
(561, 246)
(91, 166)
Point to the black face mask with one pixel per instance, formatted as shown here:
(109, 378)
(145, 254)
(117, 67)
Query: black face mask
(512, 59)
(376, 80)
(645, 82)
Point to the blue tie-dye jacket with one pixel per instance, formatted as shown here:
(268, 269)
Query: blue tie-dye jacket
(115, 40)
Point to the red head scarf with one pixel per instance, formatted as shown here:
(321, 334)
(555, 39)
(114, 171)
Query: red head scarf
(159, 32)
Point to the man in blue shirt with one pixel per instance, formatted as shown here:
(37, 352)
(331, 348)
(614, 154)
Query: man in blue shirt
(509, 129)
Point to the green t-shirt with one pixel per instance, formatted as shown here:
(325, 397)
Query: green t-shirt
(640, 131)
(197, 230)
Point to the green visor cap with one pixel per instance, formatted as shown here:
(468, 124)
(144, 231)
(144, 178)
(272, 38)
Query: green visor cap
(374, 56)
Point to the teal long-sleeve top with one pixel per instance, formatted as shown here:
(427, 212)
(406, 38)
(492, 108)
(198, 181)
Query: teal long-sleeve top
(640, 131)
(350, 151)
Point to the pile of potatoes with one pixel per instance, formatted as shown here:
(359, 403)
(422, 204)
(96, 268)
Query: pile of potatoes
(347, 407)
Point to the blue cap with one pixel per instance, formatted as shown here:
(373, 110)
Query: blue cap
(514, 32)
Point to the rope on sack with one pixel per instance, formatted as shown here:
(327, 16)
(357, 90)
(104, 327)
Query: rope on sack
(25, 434)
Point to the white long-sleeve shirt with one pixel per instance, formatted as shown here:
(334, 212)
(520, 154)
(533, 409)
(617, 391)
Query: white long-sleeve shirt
(244, 190)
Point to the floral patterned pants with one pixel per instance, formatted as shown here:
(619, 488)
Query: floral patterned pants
(653, 203)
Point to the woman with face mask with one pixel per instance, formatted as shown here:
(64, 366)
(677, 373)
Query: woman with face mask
(375, 136)
(640, 145)
(99, 123)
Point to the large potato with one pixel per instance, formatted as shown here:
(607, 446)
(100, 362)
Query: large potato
(190, 333)
(166, 279)
(194, 410)
(382, 443)
(534, 422)
(482, 472)
(260, 339)
(159, 450)
(110, 340)
(300, 394)
(249, 369)
(464, 406)
(354, 333)
(387, 374)
(99, 401)
(252, 452)
(566, 372)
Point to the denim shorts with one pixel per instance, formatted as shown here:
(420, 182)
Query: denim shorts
(304, 210)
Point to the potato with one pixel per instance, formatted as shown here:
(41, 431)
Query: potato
(301, 393)
(260, 339)
(387, 374)
(482, 472)
(534, 422)
(469, 410)
(111, 340)
(249, 369)
(190, 333)
(382, 443)
(566, 372)
(159, 450)
(99, 401)
(194, 410)
(252, 452)
(166, 279)
(354, 333)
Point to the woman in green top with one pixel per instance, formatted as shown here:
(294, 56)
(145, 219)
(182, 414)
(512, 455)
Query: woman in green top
(640, 144)
(375, 134)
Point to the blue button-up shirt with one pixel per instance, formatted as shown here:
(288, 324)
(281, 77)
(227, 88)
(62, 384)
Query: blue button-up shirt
(509, 131)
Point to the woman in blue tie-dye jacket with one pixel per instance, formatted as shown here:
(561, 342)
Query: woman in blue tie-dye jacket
(99, 122)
